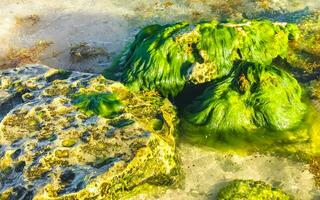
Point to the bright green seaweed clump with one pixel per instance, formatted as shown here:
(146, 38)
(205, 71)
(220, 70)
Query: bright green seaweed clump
(165, 58)
(102, 104)
(252, 97)
(251, 190)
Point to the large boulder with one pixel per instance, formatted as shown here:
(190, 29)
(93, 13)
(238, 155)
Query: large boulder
(165, 58)
(252, 96)
(227, 80)
(79, 136)
(255, 103)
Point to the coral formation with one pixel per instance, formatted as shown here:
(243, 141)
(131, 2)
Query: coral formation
(50, 149)
(251, 190)
(165, 57)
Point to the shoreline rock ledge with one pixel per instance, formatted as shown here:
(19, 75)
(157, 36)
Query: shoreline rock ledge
(58, 139)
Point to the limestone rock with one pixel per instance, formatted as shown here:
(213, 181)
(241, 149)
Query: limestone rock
(50, 148)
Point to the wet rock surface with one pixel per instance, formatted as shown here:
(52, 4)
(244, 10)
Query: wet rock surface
(51, 149)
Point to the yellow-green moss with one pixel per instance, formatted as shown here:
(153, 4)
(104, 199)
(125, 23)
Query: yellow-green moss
(251, 190)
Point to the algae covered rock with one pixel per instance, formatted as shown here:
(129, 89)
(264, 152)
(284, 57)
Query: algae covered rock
(165, 58)
(83, 137)
(251, 190)
(254, 103)
(252, 96)
(227, 82)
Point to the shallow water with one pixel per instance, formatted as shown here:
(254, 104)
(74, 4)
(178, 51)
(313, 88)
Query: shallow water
(110, 24)
(208, 170)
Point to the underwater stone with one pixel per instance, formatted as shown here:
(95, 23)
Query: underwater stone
(125, 163)
(165, 58)
(250, 190)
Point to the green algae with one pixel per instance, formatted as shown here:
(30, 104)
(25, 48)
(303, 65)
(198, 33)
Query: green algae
(102, 104)
(248, 102)
(256, 108)
(162, 57)
(251, 190)
(252, 96)
(301, 143)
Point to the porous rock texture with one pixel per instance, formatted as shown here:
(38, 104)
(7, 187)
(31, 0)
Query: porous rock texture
(51, 149)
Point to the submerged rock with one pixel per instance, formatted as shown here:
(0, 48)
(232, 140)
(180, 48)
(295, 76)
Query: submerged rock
(254, 108)
(57, 149)
(165, 58)
(251, 190)
(228, 81)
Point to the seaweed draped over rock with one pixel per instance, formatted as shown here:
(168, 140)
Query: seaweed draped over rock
(252, 96)
(244, 97)
(102, 104)
(251, 190)
(164, 58)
